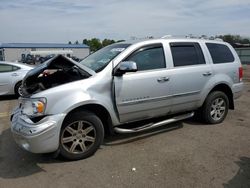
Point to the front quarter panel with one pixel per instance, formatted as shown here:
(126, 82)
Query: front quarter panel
(65, 98)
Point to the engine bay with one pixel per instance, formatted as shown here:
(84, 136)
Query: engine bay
(57, 71)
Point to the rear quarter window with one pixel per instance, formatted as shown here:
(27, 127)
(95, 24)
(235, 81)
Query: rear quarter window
(220, 53)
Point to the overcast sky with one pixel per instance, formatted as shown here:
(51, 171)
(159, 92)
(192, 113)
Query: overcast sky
(64, 20)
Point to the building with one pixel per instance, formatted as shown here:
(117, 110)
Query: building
(15, 51)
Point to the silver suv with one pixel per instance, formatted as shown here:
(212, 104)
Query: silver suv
(67, 106)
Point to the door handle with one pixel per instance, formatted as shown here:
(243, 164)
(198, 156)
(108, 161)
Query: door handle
(207, 73)
(163, 79)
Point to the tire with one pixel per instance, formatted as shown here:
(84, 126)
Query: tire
(81, 135)
(18, 89)
(215, 108)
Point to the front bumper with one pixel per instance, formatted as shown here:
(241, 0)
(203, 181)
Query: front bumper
(40, 137)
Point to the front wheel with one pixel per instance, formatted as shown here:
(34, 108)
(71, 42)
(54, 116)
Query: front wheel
(81, 135)
(215, 107)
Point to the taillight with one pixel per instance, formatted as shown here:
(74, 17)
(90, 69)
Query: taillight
(240, 73)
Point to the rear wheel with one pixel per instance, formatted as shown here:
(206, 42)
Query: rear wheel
(215, 108)
(18, 89)
(81, 135)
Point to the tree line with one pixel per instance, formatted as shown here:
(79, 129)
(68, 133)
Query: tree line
(96, 44)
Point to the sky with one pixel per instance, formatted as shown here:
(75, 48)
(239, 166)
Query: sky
(70, 20)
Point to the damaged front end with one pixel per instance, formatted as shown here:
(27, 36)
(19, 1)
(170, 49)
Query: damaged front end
(54, 72)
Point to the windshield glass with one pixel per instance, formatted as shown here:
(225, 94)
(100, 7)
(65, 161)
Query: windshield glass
(100, 59)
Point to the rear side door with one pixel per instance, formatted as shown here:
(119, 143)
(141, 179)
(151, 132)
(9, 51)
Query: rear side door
(144, 94)
(190, 75)
(8, 76)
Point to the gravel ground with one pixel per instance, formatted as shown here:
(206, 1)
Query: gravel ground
(184, 154)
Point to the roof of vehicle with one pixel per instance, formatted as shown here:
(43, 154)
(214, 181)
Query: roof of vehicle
(41, 45)
(21, 65)
(177, 39)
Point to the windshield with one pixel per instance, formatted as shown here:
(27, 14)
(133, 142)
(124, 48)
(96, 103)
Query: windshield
(100, 59)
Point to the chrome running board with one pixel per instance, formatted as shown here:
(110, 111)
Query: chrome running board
(154, 125)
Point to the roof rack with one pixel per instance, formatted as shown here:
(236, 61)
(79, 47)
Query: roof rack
(191, 37)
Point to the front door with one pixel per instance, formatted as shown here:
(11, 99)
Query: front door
(145, 93)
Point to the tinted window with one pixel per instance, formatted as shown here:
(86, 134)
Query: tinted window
(187, 54)
(220, 53)
(148, 58)
(5, 68)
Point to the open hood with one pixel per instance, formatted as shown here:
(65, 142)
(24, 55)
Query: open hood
(56, 71)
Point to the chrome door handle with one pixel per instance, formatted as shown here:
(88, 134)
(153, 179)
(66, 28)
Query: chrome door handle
(163, 79)
(207, 73)
(14, 74)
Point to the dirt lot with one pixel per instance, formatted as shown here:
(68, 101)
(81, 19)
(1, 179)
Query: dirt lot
(185, 154)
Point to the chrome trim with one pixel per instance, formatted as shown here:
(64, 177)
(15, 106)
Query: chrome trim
(154, 125)
(156, 98)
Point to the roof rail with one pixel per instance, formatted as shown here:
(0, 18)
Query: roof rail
(218, 39)
(192, 37)
(166, 36)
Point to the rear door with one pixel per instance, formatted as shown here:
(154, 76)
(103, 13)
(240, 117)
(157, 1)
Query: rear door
(6, 74)
(144, 94)
(190, 75)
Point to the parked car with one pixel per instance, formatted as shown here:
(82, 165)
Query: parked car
(161, 80)
(11, 76)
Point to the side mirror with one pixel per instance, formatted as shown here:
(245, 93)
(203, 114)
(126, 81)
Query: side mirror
(125, 66)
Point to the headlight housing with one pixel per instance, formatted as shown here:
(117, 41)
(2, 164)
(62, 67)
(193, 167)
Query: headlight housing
(33, 107)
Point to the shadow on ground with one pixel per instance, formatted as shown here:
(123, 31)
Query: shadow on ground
(8, 97)
(16, 163)
(119, 139)
(242, 178)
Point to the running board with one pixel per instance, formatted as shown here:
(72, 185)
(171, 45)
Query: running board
(154, 125)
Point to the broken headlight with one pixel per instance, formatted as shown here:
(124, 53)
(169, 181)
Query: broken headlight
(33, 107)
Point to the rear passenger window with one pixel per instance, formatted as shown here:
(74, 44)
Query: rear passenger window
(148, 58)
(220, 53)
(186, 53)
(5, 68)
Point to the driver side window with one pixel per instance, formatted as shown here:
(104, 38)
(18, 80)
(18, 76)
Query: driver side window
(148, 58)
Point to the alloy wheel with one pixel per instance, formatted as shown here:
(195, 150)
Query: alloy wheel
(218, 109)
(78, 137)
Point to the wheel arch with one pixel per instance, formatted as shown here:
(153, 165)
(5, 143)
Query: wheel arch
(225, 89)
(99, 111)
(15, 84)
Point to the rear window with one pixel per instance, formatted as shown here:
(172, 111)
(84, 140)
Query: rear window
(220, 53)
(186, 53)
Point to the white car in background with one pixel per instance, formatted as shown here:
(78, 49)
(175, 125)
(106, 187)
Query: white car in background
(11, 76)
